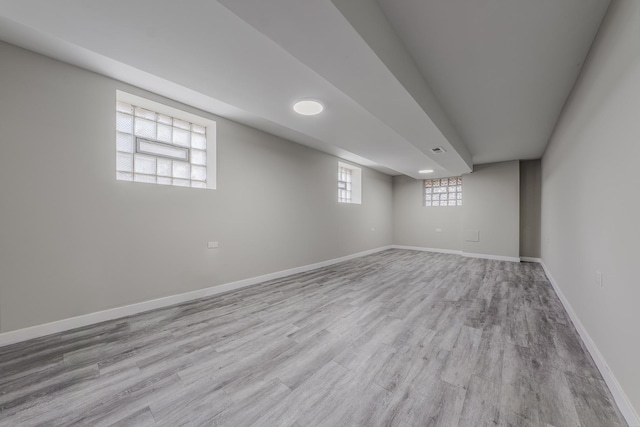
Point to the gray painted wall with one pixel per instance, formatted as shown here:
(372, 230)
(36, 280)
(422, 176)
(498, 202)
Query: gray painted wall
(530, 196)
(590, 203)
(491, 206)
(73, 240)
(415, 225)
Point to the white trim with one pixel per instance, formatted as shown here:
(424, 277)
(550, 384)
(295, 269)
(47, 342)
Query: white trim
(619, 395)
(531, 259)
(38, 331)
(493, 257)
(457, 252)
(420, 248)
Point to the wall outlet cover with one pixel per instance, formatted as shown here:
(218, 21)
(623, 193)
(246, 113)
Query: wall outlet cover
(598, 278)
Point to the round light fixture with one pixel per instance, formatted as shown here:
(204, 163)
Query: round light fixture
(426, 171)
(308, 107)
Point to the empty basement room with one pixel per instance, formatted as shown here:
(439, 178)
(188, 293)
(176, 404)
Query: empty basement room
(319, 213)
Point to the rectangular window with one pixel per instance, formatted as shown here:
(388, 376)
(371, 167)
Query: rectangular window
(349, 183)
(443, 192)
(344, 185)
(162, 145)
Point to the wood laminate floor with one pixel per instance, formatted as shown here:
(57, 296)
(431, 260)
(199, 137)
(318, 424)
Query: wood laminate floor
(398, 338)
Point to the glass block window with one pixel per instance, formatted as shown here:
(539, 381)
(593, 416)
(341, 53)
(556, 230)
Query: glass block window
(345, 181)
(156, 148)
(443, 192)
(349, 184)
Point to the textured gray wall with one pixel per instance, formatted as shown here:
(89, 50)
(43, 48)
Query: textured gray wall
(73, 240)
(590, 203)
(530, 195)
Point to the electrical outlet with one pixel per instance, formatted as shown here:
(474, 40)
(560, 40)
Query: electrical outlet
(598, 278)
(373, 229)
(212, 245)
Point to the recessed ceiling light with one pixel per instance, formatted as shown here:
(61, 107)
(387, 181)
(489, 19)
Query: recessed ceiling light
(426, 171)
(308, 107)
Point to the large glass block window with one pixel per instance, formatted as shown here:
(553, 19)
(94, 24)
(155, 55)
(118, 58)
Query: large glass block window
(345, 182)
(156, 148)
(443, 192)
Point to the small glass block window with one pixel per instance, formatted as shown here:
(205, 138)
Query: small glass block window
(443, 192)
(159, 149)
(345, 182)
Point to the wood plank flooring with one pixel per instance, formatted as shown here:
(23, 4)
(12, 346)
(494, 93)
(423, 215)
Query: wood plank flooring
(398, 338)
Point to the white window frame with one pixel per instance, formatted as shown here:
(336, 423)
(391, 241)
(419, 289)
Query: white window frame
(356, 183)
(209, 124)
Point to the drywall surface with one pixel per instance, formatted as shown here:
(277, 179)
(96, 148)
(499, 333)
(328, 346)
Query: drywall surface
(73, 240)
(530, 195)
(417, 225)
(590, 203)
(490, 206)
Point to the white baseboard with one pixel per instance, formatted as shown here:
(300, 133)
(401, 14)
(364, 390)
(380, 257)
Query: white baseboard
(493, 257)
(618, 393)
(531, 259)
(420, 248)
(457, 252)
(38, 331)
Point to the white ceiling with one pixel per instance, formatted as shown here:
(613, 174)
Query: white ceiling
(501, 69)
(485, 79)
